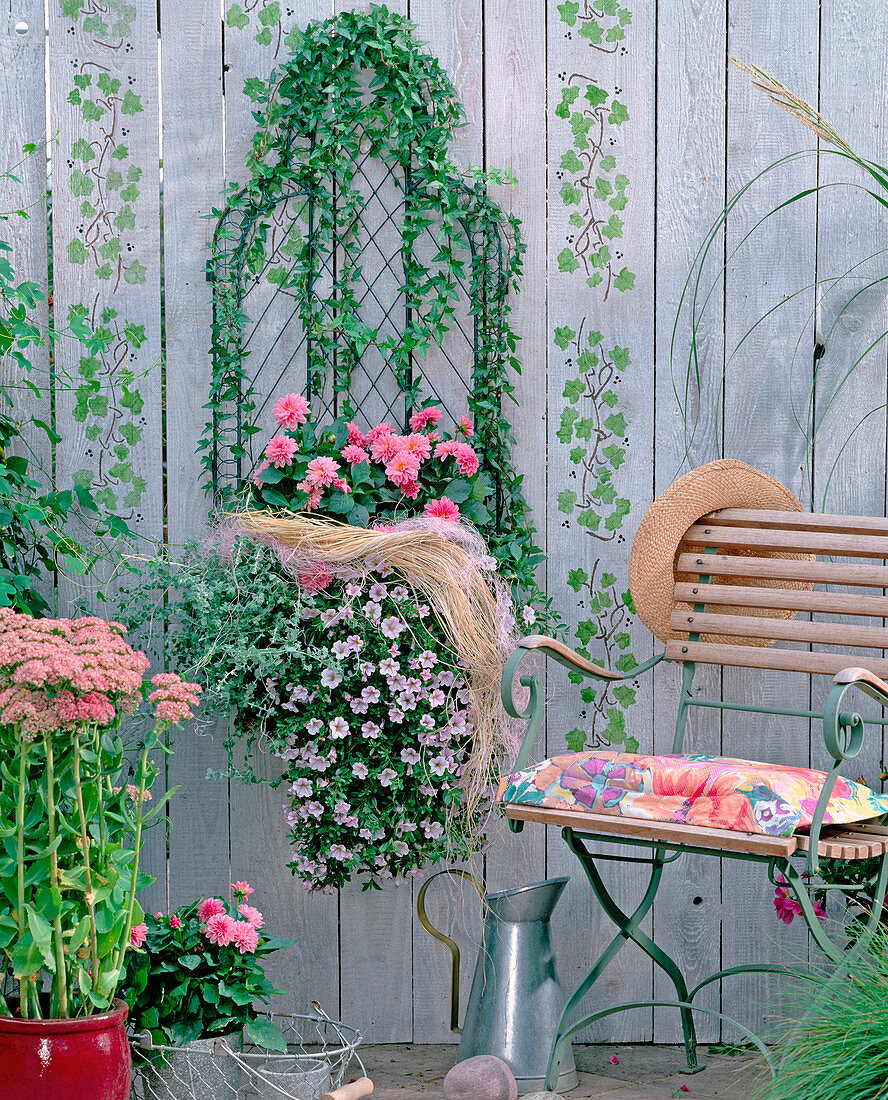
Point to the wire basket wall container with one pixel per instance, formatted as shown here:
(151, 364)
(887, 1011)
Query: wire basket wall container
(319, 1052)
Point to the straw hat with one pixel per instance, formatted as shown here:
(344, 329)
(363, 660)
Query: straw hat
(726, 483)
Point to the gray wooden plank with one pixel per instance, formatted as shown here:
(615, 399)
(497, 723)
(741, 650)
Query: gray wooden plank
(192, 182)
(310, 971)
(690, 195)
(601, 119)
(759, 425)
(23, 98)
(106, 259)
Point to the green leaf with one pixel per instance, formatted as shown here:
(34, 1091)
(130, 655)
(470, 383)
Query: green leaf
(589, 519)
(596, 96)
(577, 454)
(577, 579)
(570, 195)
(568, 12)
(592, 30)
(603, 188)
(574, 389)
(625, 280)
(264, 1034)
(135, 274)
(608, 163)
(131, 433)
(567, 261)
(615, 455)
(570, 162)
(270, 15)
(92, 111)
(618, 113)
(625, 696)
(264, 37)
(568, 419)
(79, 183)
(125, 219)
(616, 423)
(132, 104)
(82, 150)
(41, 930)
(615, 730)
(566, 501)
(614, 228)
(77, 253)
(568, 96)
(236, 17)
(608, 580)
(576, 740)
(626, 599)
(563, 337)
(620, 357)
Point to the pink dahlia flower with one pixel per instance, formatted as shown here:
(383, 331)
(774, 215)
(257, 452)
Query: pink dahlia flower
(291, 410)
(385, 448)
(378, 431)
(466, 458)
(257, 479)
(242, 889)
(251, 914)
(424, 418)
(321, 471)
(245, 937)
(341, 485)
(447, 448)
(220, 929)
(403, 467)
(465, 426)
(353, 454)
(444, 508)
(280, 450)
(356, 437)
(138, 932)
(418, 445)
(212, 907)
(410, 489)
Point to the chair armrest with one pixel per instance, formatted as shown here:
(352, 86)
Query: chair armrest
(867, 681)
(566, 656)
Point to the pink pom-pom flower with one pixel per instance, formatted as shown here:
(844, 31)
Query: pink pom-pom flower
(291, 410)
(220, 929)
(211, 907)
(443, 508)
(280, 450)
(138, 932)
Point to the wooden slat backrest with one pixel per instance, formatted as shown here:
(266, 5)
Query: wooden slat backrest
(748, 590)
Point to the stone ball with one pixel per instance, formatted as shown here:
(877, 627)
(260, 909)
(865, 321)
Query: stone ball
(483, 1077)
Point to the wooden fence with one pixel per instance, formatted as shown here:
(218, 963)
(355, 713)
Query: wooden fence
(627, 129)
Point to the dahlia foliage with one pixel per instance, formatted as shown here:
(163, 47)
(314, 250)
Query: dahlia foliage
(74, 799)
(197, 972)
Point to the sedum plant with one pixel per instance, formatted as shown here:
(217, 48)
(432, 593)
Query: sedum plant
(72, 809)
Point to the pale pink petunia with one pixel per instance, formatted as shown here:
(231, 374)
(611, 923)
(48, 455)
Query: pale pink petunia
(386, 776)
(251, 914)
(424, 418)
(280, 450)
(244, 936)
(291, 410)
(321, 471)
(443, 508)
(353, 454)
(212, 907)
(138, 932)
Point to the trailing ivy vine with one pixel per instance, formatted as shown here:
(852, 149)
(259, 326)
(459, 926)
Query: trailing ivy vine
(312, 138)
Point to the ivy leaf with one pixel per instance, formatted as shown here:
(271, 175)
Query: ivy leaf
(587, 360)
(563, 337)
(603, 188)
(576, 740)
(567, 261)
(108, 85)
(91, 111)
(609, 398)
(616, 423)
(625, 280)
(80, 183)
(570, 195)
(568, 95)
(568, 419)
(589, 519)
(103, 272)
(135, 274)
(577, 454)
(618, 113)
(607, 580)
(236, 17)
(625, 696)
(626, 663)
(596, 96)
(264, 37)
(608, 163)
(134, 497)
(615, 520)
(82, 150)
(77, 253)
(270, 15)
(570, 162)
(614, 228)
(125, 219)
(623, 640)
(592, 30)
(574, 389)
(626, 600)
(620, 357)
(577, 579)
(567, 498)
(568, 12)
(615, 730)
(615, 455)
(580, 126)
(132, 104)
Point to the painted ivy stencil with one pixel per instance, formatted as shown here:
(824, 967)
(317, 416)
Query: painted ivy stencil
(105, 178)
(592, 427)
(266, 21)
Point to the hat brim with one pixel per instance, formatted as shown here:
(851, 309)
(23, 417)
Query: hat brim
(725, 483)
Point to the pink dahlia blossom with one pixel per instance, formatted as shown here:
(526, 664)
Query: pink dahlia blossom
(378, 431)
(410, 489)
(466, 458)
(356, 437)
(257, 479)
(353, 454)
(280, 450)
(242, 889)
(291, 410)
(447, 448)
(404, 467)
(465, 426)
(341, 485)
(321, 471)
(138, 932)
(245, 937)
(424, 418)
(418, 445)
(220, 929)
(211, 907)
(443, 508)
(385, 448)
(175, 922)
(315, 579)
(251, 914)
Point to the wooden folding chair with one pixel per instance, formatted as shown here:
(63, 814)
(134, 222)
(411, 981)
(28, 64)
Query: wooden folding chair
(735, 577)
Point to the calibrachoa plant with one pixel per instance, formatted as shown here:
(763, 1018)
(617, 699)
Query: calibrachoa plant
(340, 471)
(197, 972)
(72, 810)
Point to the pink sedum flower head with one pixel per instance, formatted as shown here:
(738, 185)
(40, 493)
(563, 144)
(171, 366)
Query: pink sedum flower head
(291, 410)
(443, 508)
(220, 929)
(280, 450)
(244, 937)
(211, 907)
(173, 697)
(251, 914)
(138, 932)
(242, 889)
(425, 418)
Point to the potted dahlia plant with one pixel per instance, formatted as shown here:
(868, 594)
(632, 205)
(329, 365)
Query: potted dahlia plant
(193, 982)
(75, 799)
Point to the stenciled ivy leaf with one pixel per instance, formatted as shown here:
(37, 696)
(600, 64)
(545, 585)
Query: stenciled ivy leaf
(576, 740)
(625, 280)
(567, 498)
(577, 579)
(563, 337)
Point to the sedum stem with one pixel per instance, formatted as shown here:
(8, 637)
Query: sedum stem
(61, 983)
(84, 841)
(20, 857)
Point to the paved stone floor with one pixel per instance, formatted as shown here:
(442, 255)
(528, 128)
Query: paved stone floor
(644, 1072)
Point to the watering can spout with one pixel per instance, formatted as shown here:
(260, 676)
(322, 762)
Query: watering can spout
(516, 1000)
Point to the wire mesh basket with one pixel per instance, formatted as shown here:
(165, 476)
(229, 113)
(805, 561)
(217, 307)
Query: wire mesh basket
(319, 1051)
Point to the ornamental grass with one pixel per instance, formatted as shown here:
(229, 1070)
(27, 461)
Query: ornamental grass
(839, 1050)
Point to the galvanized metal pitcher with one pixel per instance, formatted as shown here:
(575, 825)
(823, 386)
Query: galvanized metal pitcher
(516, 999)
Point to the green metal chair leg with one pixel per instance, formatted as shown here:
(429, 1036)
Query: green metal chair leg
(628, 929)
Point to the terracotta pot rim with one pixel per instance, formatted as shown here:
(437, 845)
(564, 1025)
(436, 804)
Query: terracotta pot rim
(114, 1017)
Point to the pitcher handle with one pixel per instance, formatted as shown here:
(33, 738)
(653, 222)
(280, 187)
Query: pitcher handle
(446, 940)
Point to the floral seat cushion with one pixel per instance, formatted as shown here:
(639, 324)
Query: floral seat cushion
(713, 791)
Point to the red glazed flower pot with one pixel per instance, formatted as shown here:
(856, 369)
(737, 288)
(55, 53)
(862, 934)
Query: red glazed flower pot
(87, 1058)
